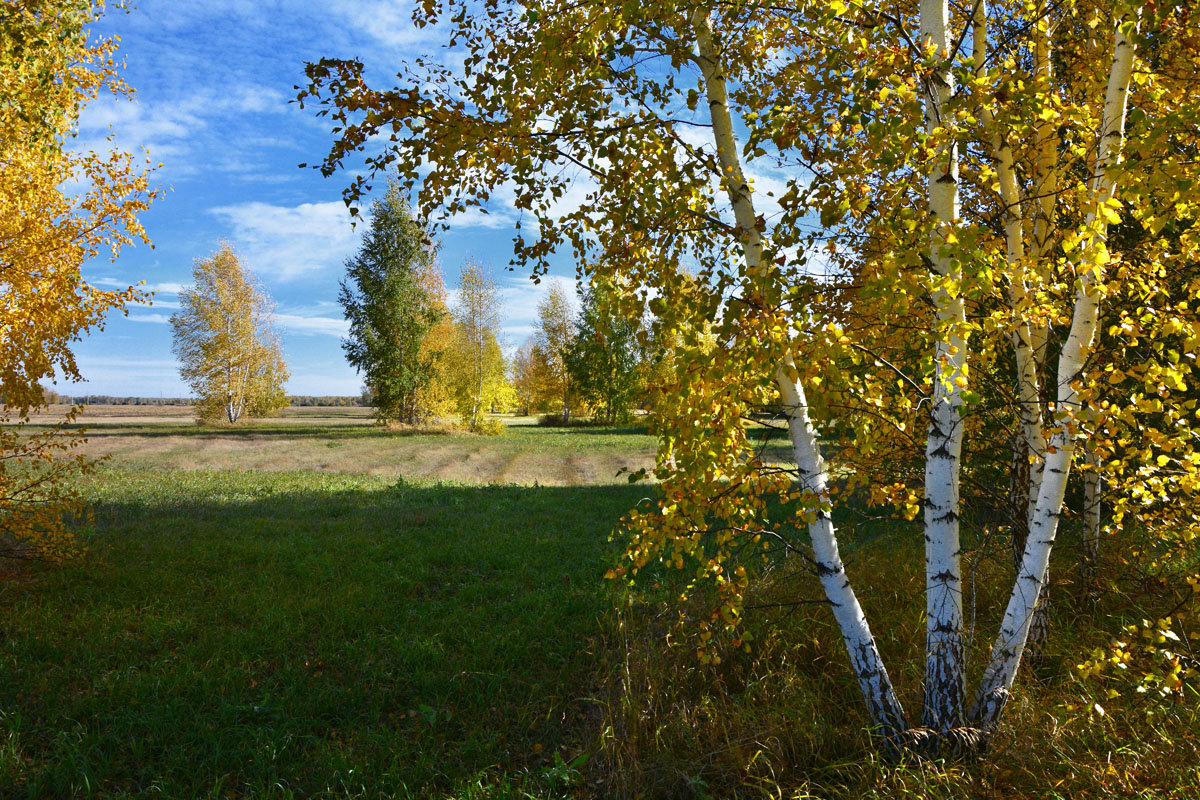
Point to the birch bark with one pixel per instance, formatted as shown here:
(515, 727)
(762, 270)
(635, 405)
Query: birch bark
(1009, 646)
(882, 704)
(1032, 448)
(945, 666)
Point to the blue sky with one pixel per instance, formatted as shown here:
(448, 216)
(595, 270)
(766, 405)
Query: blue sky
(213, 82)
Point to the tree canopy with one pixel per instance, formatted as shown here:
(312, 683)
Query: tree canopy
(226, 343)
(939, 251)
(605, 360)
(553, 338)
(477, 369)
(393, 299)
(49, 69)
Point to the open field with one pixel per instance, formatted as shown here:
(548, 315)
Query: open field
(307, 608)
(299, 634)
(342, 440)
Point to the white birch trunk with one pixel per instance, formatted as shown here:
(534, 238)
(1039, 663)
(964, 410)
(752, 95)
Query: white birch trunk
(882, 704)
(1028, 365)
(1007, 650)
(1046, 182)
(880, 697)
(945, 667)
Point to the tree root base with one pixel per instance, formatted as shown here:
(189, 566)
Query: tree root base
(955, 744)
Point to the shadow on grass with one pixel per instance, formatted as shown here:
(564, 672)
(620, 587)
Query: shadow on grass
(317, 635)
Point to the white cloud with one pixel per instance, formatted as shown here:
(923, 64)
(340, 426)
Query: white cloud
(387, 22)
(157, 288)
(157, 318)
(290, 242)
(521, 297)
(172, 132)
(328, 326)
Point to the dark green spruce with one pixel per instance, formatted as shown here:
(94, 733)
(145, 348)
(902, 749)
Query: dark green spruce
(390, 310)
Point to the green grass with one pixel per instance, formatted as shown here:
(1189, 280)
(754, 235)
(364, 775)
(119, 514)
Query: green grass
(298, 634)
(264, 632)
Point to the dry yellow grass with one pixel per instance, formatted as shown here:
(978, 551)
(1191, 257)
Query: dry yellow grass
(345, 440)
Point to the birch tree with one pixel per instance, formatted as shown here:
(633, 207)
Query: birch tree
(478, 362)
(60, 206)
(553, 338)
(965, 169)
(223, 337)
(523, 376)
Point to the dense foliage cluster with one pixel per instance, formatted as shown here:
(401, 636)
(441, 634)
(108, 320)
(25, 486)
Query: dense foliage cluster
(393, 299)
(981, 231)
(49, 69)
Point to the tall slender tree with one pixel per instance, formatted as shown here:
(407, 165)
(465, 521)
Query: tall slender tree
(605, 358)
(479, 361)
(226, 343)
(391, 296)
(523, 376)
(553, 338)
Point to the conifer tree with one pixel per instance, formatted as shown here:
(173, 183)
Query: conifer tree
(392, 306)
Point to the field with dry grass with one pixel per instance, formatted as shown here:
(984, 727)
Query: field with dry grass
(344, 440)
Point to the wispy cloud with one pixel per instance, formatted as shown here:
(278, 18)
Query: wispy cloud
(388, 23)
(157, 288)
(326, 326)
(289, 242)
(176, 133)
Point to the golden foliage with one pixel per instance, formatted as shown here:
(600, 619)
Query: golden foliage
(57, 209)
(476, 364)
(223, 336)
(436, 397)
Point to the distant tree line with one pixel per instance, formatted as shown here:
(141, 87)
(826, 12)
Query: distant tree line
(326, 400)
(54, 398)
(109, 400)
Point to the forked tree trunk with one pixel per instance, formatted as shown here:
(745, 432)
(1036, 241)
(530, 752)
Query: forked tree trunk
(1009, 646)
(945, 665)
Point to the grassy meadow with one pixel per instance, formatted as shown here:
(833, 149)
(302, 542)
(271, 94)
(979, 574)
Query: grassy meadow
(313, 607)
